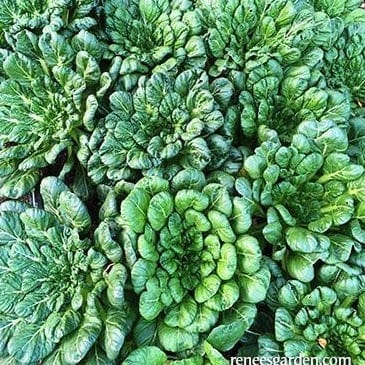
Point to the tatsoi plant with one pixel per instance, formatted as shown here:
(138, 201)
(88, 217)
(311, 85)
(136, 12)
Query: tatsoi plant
(308, 190)
(196, 271)
(346, 68)
(165, 125)
(319, 320)
(317, 323)
(50, 87)
(251, 32)
(62, 298)
(299, 97)
(181, 181)
(157, 36)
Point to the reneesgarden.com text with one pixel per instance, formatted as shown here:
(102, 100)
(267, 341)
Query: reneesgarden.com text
(298, 360)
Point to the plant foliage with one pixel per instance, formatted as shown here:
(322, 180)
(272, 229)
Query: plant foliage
(181, 181)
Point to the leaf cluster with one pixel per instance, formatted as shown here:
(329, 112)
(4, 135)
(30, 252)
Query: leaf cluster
(181, 181)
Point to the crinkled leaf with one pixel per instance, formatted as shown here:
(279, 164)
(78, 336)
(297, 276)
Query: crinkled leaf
(74, 211)
(146, 355)
(253, 287)
(160, 207)
(176, 339)
(134, 209)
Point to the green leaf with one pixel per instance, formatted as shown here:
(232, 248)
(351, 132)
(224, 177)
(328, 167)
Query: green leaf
(11, 229)
(36, 221)
(190, 179)
(340, 209)
(284, 326)
(285, 214)
(243, 187)
(19, 183)
(222, 89)
(340, 249)
(146, 355)
(88, 68)
(142, 270)
(310, 164)
(321, 225)
(160, 207)
(227, 262)
(195, 360)
(357, 188)
(205, 319)
(94, 357)
(20, 68)
(197, 219)
(255, 166)
(86, 41)
(357, 231)
(300, 265)
(355, 16)
(145, 332)
(219, 198)
(147, 248)
(225, 298)
(51, 188)
(248, 254)
(207, 288)
(116, 279)
(150, 305)
(29, 344)
(55, 49)
(183, 314)
(214, 356)
(176, 339)
(74, 212)
(225, 336)
(337, 166)
(134, 210)
(118, 324)
(185, 199)
(104, 241)
(138, 159)
(221, 226)
(76, 346)
(291, 294)
(296, 347)
(241, 215)
(253, 287)
(196, 154)
(302, 240)
(320, 297)
(360, 212)
(153, 186)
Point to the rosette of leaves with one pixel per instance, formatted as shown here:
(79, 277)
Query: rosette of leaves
(49, 96)
(165, 125)
(348, 10)
(244, 31)
(347, 278)
(309, 189)
(17, 15)
(344, 62)
(36, 14)
(154, 36)
(315, 322)
(282, 98)
(197, 273)
(62, 298)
